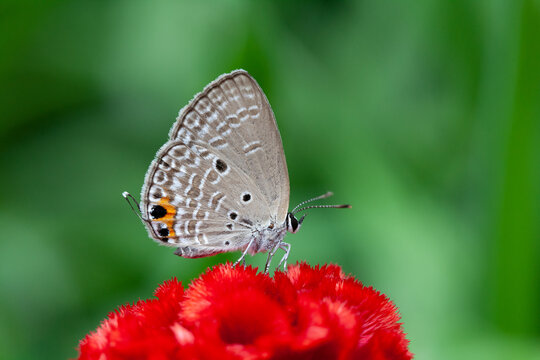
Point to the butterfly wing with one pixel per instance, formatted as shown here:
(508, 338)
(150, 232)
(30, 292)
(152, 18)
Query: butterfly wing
(222, 173)
(232, 115)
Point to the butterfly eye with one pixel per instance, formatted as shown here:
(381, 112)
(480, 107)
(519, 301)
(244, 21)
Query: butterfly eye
(293, 224)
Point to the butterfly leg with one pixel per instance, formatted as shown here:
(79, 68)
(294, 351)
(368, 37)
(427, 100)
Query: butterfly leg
(270, 256)
(242, 257)
(287, 247)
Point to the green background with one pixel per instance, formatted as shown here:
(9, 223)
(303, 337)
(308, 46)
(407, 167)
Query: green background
(424, 115)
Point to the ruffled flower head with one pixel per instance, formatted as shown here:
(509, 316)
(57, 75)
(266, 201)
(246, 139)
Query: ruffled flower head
(237, 313)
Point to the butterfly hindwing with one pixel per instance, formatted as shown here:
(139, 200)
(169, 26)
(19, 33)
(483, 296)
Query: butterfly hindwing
(194, 198)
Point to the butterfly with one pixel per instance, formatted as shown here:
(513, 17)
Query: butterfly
(220, 183)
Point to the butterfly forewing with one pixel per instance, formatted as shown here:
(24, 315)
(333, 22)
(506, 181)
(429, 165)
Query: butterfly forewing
(232, 115)
(210, 184)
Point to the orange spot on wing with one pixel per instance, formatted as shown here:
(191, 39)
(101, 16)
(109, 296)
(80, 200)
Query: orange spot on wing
(169, 218)
(171, 210)
(171, 230)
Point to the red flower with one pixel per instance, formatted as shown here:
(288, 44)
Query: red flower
(235, 313)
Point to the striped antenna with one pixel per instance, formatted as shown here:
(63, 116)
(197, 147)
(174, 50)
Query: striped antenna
(323, 196)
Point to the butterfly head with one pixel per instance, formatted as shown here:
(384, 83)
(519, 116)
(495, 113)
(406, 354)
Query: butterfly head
(294, 224)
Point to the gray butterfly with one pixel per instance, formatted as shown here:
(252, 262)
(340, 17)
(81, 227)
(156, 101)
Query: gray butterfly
(220, 183)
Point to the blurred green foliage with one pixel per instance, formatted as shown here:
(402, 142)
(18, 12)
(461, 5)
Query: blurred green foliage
(425, 115)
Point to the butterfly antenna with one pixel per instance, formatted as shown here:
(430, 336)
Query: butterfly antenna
(322, 206)
(323, 196)
(131, 200)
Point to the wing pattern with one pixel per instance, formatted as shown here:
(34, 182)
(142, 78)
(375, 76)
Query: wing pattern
(221, 175)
